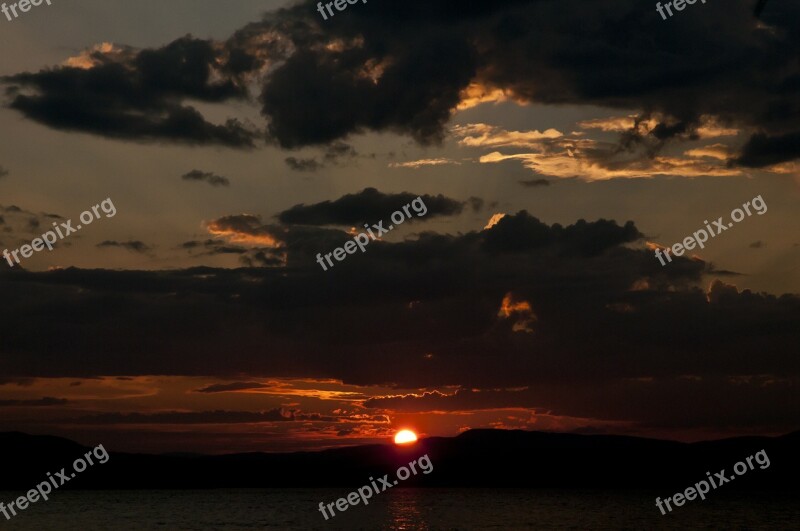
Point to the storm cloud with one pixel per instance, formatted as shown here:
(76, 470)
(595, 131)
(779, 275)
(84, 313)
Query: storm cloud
(406, 69)
(378, 77)
(574, 319)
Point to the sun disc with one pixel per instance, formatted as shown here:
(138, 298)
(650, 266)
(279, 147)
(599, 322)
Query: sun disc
(405, 437)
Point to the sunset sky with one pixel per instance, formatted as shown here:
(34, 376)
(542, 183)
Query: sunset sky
(556, 143)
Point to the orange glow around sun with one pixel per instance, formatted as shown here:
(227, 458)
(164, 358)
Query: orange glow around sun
(405, 437)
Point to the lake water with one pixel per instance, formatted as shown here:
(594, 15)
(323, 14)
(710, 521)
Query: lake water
(397, 509)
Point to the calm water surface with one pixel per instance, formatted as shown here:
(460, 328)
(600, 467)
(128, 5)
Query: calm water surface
(397, 509)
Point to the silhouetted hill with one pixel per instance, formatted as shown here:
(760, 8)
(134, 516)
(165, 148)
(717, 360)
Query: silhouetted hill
(487, 458)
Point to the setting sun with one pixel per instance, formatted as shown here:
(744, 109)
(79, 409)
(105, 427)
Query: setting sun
(405, 437)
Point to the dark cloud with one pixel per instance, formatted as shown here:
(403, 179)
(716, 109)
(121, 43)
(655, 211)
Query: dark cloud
(302, 164)
(136, 95)
(46, 401)
(757, 245)
(210, 178)
(274, 240)
(764, 150)
(262, 258)
(582, 237)
(339, 150)
(368, 205)
(405, 69)
(378, 78)
(578, 320)
(335, 154)
(248, 256)
(233, 386)
(531, 183)
(211, 247)
(19, 221)
(3, 172)
(476, 203)
(720, 292)
(352, 102)
(135, 246)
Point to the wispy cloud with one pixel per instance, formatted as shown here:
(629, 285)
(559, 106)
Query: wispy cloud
(714, 151)
(204, 176)
(230, 387)
(483, 135)
(302, 164)
(416, 164)
(708, 126)
(336, 154)
(565, 162)
(135, 246)
(531, 183)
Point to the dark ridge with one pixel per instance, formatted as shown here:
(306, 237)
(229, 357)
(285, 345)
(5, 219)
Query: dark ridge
(477, 458)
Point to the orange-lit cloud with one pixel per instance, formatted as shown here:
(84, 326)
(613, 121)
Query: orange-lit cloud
(713, 151)
(243, 228)
(712, 129)
(96, 55)
(494, 220)
(476, 94)
(552, 153)
(709, 128)
(519, 309)
(572, 159)
(483, 135)
(373, 70)
(786, 168)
